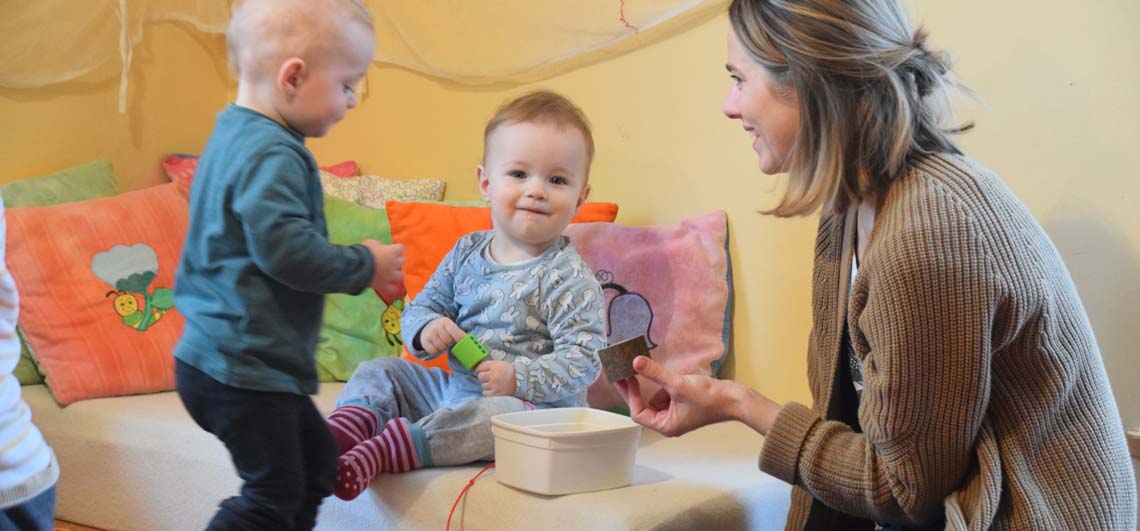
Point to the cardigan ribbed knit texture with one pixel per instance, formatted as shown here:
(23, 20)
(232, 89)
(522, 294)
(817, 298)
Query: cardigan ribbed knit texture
(985, 397)
(27, 465)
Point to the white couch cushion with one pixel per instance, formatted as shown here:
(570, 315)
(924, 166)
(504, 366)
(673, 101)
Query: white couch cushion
(140, 463)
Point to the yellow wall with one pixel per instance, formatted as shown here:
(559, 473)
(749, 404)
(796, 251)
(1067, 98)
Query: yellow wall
(1059, 120)
(177, 84)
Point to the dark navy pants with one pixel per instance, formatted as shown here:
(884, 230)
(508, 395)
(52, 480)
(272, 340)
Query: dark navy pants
(36, 514)
(279, 443)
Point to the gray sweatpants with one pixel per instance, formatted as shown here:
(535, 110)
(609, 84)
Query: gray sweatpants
(450, 409)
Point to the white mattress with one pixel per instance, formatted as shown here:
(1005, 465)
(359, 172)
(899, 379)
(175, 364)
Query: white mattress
(140, 463)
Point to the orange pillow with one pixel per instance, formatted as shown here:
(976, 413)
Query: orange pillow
(96, 283)
(429, 230)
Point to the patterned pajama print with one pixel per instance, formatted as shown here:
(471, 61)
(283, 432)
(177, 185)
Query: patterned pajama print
(545, 316)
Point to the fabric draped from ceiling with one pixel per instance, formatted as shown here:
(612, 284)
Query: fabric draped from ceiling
(471, 42)
(54, 41)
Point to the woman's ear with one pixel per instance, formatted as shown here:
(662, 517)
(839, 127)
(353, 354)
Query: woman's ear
(290, 76)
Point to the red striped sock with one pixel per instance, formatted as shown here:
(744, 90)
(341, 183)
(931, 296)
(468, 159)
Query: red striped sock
(351, 425)
(391, 451)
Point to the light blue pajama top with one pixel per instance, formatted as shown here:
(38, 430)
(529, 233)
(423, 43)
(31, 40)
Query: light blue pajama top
(545, 315)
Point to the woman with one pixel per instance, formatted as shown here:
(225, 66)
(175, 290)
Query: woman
(955, 377)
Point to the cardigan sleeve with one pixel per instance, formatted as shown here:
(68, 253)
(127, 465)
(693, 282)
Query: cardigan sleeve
(923, 309)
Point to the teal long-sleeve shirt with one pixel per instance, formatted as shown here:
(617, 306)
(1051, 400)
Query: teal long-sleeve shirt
(257, 261)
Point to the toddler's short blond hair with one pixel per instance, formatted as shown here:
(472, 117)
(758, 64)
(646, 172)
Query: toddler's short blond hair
(263, 33)
(541, 106)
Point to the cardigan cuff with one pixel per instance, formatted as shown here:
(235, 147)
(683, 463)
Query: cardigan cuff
(781, 452)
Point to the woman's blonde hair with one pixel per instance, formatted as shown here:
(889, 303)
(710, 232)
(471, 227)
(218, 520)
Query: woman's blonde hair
(871, 95)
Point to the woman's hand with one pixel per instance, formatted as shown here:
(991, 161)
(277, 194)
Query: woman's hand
(684, 402)
(688, 401)
(496, 377)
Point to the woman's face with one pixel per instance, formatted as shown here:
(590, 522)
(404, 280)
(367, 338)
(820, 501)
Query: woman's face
(770, 117)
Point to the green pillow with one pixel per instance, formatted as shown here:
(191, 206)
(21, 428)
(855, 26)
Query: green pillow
(78, 183)
(26, 371)
(353, 328)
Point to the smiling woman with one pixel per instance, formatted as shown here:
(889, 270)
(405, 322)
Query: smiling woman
(944, 319)
(768, 111)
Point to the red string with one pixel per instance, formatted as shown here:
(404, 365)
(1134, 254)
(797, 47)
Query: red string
(463, 493)
(621, 17)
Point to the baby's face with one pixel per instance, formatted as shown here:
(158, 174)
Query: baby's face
(535, 179)
(329, 88)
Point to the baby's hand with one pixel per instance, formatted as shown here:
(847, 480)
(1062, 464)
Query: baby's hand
(496, 377)
(440, 335)
(387, 273)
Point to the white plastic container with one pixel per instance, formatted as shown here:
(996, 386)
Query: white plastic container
(564, 450)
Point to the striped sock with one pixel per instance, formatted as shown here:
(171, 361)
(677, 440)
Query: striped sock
(351, 425)
(391, 451)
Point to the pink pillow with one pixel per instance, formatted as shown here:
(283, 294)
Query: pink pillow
(672, 283)
(180, 168)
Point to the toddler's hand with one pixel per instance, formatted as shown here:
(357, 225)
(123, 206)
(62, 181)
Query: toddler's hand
(496, 377)
(387, 273)
(440, 335)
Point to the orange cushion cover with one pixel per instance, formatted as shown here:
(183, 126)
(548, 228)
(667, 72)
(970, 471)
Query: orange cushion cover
(428, 231)
(88, 346)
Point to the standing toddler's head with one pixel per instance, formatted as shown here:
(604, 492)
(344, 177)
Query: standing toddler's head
(299, 61)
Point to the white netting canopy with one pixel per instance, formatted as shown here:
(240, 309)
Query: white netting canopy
(53, 41)
(494, 41)
(465, 41)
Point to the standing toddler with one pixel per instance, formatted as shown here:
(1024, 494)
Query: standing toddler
(257, 261)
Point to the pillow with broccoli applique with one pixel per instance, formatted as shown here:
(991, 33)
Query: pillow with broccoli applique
(96, 282)
(77, 183)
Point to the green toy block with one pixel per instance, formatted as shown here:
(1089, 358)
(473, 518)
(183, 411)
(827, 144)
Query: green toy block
(469, 351)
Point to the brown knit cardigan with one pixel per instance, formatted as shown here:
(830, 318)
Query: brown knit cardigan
(985, 397)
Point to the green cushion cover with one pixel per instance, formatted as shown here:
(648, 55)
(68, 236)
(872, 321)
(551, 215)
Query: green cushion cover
(352, 330)
(78, 183)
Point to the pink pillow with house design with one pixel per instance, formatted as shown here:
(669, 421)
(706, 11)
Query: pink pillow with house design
(672, 283)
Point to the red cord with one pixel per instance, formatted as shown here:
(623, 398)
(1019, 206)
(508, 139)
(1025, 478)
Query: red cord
(463, 493)
(621, 16)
